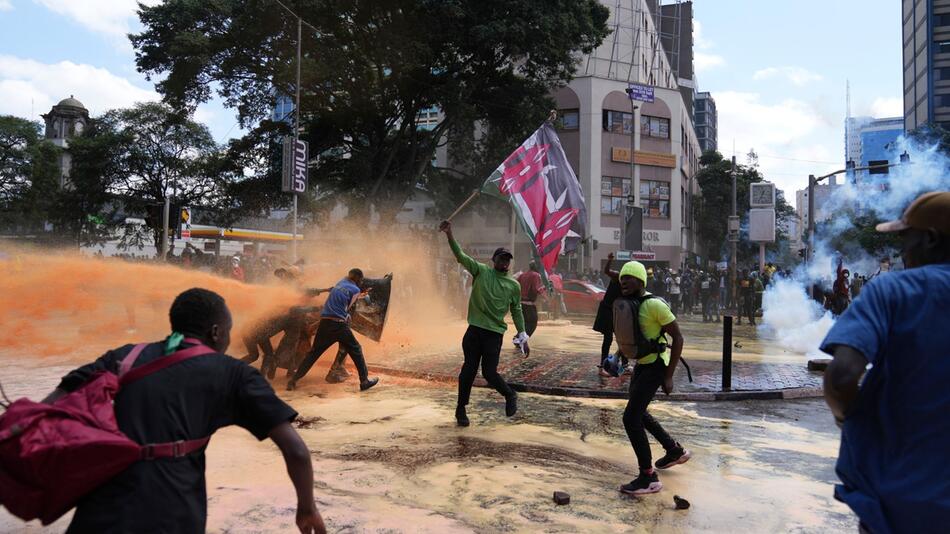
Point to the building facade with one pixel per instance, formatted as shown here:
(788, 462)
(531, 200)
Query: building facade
(926, 57)
(707, 122)
(871, 142)
(600, 128)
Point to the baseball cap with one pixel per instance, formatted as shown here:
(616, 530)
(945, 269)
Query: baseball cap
(634, 269)
(930, 210)
(500, 251)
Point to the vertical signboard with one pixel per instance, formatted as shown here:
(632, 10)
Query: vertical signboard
(295, 158)
(184, 224)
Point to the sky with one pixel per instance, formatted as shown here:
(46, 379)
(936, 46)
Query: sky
(777, 71)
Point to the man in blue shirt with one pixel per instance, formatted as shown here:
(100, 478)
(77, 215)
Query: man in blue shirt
(895, 424)
(334, 327)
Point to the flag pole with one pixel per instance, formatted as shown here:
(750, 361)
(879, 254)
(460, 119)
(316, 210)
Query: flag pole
(464, 204)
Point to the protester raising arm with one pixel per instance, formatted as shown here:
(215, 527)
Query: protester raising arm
(470, 265)
(613, 275)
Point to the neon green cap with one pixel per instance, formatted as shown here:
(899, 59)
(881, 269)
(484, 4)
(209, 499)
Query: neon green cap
(634, 269)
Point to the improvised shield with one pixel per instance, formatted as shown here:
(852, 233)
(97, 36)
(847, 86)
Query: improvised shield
(368, 316)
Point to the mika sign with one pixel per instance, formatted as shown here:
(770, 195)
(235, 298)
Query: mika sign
(295, 158)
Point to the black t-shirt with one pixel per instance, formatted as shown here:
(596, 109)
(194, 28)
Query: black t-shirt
(188, 400)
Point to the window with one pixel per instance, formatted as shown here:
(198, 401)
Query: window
(942, 73)
(943, 47)
(942, 101)
(655, 126)
(569, 119)
(942, 20)
(655, 199)
(618, 122)
(613, 195)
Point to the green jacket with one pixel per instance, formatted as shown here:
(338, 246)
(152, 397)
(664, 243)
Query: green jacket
(493, 295)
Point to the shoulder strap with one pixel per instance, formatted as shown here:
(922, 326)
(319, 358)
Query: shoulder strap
(161, 363)
(130, 358)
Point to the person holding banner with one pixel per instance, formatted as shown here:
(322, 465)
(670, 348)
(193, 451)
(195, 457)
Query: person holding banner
(494, 293)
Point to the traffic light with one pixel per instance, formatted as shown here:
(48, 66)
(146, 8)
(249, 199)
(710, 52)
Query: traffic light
(594, 244)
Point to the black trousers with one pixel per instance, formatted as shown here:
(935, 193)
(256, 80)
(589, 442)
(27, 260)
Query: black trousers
(481, 346)
(328, 333)
(530, 318)
(637, 421)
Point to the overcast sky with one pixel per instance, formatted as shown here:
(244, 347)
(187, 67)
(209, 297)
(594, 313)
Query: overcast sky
(776, 69)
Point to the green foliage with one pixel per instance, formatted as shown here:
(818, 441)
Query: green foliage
(714, 207)
(149, 152)
(853, 233)
(369, 68)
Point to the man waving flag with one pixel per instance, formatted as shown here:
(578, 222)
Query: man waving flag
(541, 186)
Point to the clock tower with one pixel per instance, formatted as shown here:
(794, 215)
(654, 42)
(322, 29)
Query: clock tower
(67, 119)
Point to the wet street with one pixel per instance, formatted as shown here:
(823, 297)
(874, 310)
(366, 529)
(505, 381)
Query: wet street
(392, 460)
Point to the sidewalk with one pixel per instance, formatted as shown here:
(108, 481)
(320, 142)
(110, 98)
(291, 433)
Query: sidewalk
(564, 361)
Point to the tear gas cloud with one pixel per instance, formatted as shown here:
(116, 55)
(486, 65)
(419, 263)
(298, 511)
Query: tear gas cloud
(62, 303)
(796, 320)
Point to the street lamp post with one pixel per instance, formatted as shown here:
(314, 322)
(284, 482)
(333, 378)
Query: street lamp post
(813, 181)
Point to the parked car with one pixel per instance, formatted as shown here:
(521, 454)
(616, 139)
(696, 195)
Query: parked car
(581, 297)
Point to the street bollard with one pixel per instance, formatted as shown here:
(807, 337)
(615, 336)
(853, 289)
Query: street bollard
(727, 353)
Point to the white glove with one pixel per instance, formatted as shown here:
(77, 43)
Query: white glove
(521, 341)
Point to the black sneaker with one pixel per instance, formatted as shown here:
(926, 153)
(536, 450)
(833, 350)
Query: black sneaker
(675, 456)
(511, 404)
(291, 385)
(368, 384)
(460, 416)
(642, 485)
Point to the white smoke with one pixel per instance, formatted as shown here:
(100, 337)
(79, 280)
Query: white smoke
(796, 320)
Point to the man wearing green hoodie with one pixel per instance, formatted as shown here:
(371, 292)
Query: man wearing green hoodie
(494, 293)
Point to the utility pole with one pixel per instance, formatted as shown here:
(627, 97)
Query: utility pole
(811, 217)
(733, 226)
(165, 209)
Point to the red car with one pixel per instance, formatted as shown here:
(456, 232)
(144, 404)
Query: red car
(582, 297)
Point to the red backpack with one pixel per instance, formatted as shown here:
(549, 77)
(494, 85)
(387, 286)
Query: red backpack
(53, 454)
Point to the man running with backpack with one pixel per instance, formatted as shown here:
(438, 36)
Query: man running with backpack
(181, 405)
(655, 368)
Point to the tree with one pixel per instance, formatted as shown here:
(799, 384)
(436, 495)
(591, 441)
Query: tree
(854, 234)
(25, 157)
(149, 152)
(715, 207)
(369, 68)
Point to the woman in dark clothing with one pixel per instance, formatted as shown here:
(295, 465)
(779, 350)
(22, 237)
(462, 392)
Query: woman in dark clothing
(604, 322)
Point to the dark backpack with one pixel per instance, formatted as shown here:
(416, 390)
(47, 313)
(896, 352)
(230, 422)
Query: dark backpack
(633, 343)
(628, 332)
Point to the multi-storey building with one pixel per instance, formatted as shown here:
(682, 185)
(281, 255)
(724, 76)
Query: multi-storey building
(707, 122)
(871, 142)
(926, 52)
(600, 126)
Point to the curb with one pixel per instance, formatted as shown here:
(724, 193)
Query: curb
(561, 391)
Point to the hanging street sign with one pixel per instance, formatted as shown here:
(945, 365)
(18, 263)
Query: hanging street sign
(638, 91)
